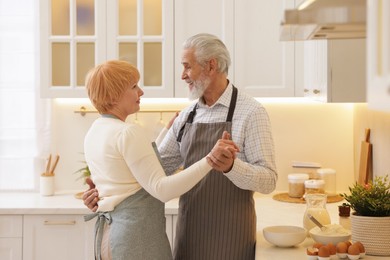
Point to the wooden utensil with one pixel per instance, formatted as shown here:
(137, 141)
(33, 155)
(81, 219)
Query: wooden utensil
(365, 159)
(48, 165)
(54, 165)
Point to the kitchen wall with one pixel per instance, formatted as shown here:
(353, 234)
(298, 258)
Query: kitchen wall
(303, 131)
(379, 124)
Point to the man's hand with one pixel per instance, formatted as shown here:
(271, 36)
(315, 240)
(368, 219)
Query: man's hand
(91, 196)
(222, 156)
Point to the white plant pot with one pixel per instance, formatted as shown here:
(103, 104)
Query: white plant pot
(373, 233)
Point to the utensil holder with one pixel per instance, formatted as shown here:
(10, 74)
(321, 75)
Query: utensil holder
(46, 186)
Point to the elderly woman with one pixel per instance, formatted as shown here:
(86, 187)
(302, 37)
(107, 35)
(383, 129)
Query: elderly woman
(126, 170)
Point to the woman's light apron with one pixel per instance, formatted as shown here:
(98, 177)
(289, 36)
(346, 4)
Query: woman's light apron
(216, 220)
(137, 229)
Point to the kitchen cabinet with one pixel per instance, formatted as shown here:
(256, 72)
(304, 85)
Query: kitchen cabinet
(378, 54)
(11, 232)
(171, 228)
(262, 65)
(146, 32)
(57, 237)
(334, 70)
(77, 35)
(53, 227)
(66, 236)
(200, 16)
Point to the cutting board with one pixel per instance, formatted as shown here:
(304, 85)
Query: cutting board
(365, 159)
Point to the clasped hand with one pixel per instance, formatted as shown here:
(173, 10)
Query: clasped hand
(222, 156)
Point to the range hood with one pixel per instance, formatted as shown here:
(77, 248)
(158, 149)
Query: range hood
(325, 19)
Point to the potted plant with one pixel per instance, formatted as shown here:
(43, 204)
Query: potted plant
(344, 210)
(84, 173)
(370, 220)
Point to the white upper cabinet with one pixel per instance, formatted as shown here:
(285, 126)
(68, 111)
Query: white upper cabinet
(334, 70)
(378, 54)
(263, 65)
(200, 16)
(76, 35)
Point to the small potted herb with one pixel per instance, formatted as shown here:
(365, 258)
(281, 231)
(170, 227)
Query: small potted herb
(370, 221)
(344, 210)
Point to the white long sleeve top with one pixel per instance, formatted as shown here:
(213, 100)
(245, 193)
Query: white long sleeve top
(122, 161)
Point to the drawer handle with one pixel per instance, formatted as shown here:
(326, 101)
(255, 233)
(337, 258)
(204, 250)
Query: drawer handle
(59, 223)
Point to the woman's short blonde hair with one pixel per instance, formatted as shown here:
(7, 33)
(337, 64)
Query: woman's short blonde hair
(107, 82)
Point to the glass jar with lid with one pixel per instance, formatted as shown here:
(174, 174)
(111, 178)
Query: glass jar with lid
(314, 186)
(329, 177)
(296, 184)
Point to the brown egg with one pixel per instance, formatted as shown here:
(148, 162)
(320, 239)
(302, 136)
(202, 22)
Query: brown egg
(317, 245)
(312, 251)
(332, 249)
(360, 245)
(348, 243)
(323, 251)
(354, 250)
(342, 248)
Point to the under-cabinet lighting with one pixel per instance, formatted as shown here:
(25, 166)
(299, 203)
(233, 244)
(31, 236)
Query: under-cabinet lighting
(305, 4)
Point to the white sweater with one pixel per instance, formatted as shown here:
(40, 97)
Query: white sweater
(122, 161)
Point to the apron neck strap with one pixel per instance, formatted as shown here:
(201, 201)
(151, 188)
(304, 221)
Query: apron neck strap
(232, 105)
(192, 114)
(190, 119)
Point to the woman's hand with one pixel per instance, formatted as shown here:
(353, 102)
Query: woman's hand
(91, 196)
(170, 123)
(222, 156)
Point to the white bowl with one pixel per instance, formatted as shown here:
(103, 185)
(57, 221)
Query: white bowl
(284, 236)
(333, 233)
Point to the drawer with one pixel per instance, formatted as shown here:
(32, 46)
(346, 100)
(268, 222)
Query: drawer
(11, 225)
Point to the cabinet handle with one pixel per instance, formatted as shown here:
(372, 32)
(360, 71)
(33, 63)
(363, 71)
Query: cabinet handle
(316, 91)
(305, 90)
(59, 223)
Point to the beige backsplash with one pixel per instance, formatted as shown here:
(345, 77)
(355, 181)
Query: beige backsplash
(314, 132)
(379, 124)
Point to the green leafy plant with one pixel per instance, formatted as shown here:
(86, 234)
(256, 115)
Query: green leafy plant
(371, 199)
(84, 172)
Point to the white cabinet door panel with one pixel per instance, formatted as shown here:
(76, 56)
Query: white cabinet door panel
(200, 16)
(264, 66)
(11, 248)
(378, 55)
(11, 232)
(60, 237)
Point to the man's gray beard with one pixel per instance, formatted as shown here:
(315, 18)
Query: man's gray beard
(199, 89)
(195, 94)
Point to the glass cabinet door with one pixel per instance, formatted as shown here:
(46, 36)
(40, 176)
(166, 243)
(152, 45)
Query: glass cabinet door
(78, 34)
(141, 32)
(71, 44)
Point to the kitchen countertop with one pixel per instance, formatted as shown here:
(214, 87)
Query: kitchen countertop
(269, 213)
(65, 202)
